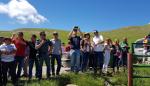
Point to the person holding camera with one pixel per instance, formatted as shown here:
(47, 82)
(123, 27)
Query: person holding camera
(75, 48)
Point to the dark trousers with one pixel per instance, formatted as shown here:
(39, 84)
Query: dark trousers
(31, 64)
(124, 58)
(19, 63)
(98, 60)
(8, 67)
(58, 59)
(43, 58)
(91, 60)
(0, 73)
(115, 63)
(85, 59)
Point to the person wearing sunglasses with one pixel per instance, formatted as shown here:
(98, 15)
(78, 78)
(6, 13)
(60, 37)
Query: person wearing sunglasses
(43, 46)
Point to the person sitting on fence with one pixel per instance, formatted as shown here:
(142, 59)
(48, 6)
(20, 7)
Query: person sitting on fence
(147, 45)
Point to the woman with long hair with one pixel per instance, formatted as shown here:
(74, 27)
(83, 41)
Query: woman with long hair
(107, 51)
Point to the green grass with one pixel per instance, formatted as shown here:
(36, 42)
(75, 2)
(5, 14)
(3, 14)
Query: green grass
(65, 79)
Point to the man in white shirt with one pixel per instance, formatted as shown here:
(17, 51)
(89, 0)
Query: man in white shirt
(98, 46)
(8, 51)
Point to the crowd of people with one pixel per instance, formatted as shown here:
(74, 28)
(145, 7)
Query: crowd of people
(85, 52)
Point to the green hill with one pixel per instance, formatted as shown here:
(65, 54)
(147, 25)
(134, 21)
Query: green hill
(132, 33)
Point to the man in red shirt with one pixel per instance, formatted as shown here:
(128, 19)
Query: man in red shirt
(21, 45)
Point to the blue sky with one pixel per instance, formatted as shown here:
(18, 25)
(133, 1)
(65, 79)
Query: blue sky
(88, 14)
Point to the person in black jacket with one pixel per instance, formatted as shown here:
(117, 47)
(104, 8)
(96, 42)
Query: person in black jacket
(32, 56)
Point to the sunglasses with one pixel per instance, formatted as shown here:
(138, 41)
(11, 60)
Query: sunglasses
(43, 34)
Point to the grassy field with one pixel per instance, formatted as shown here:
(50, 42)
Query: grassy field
(132, 33)
(88, 79)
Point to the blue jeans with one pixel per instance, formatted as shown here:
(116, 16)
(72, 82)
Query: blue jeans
(85, 60)
(43, 58)
(98, 60)
(31, 64)
(19, 63)
(58, 59)
(75, 60)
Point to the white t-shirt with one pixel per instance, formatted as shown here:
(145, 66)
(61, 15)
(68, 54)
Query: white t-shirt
(9, 48)
(98, 47)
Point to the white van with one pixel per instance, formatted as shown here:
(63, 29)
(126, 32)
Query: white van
(139, 50)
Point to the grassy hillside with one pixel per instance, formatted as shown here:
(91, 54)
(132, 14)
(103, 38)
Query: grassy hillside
(132, 33)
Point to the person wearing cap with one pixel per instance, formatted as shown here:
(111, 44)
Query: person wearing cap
(56, 54)
(86, 49)
(125, 49)
(75, 49)
(21, 46)
(98, 46)
(8, 51)
(44, 47)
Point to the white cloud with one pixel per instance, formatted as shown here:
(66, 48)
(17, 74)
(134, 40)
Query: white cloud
(22, 11)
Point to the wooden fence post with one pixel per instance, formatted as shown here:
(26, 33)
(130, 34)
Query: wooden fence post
(130, 70)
